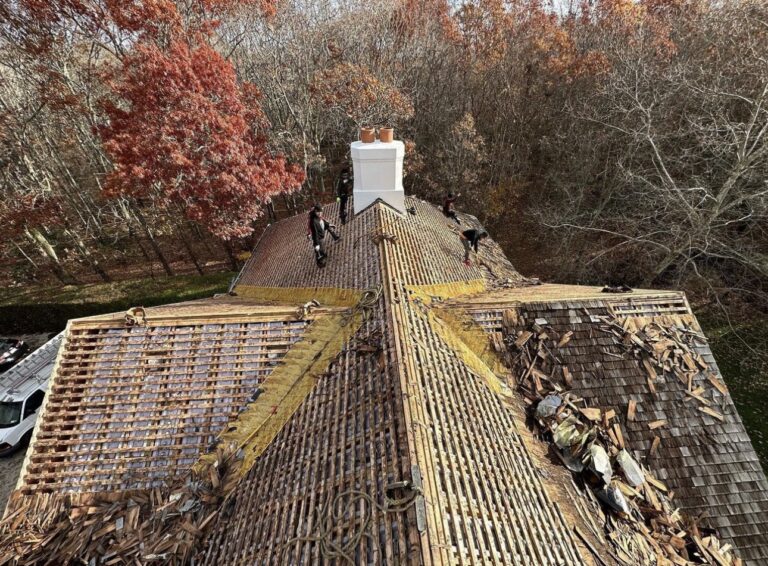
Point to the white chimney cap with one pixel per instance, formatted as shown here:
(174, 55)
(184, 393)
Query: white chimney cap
(378, 170)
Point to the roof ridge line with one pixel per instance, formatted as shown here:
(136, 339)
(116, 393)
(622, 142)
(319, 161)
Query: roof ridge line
(416, 446)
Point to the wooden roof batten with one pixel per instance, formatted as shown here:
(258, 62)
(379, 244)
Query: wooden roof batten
(397, 394)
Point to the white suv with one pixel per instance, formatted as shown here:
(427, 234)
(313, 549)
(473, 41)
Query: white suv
(22, 390)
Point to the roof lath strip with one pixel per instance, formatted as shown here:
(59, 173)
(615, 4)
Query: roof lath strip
(129, 407)
(289, 384)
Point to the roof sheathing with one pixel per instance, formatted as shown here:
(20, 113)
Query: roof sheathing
(131, 407)
(431, 252)
(284, 257)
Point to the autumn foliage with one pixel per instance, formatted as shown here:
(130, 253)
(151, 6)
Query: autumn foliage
(196, 138)
(39, 24)
(625, 138)
(354, 92)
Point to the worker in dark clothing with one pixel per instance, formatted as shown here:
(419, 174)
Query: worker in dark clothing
(317, 227)
(343, 190)
(471, 238)
(448, 207)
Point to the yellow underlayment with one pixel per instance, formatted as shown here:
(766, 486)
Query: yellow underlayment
(461, 333)
(470, 342)
(428, 293)
(326, 296)
(291, 382)
(287, 386)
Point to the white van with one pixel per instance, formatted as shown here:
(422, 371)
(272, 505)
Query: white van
(22, 390)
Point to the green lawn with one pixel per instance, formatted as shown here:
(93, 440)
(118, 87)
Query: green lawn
(742, 355)
(46, 309)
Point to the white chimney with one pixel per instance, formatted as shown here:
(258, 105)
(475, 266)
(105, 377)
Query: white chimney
(378, 171)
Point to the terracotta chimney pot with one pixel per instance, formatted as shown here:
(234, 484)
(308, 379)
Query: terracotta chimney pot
(367, 135)
(386, 135)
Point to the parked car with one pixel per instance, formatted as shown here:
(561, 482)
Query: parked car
(11, 352)
(22, 391)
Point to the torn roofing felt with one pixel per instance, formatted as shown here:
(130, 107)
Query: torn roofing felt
(395, 430)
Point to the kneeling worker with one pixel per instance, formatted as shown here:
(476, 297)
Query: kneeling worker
(471, 238)
(448, 209)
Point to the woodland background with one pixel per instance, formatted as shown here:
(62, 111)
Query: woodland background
(601, 141)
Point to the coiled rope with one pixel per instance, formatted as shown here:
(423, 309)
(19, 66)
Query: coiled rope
(365, 305)
(334, 513)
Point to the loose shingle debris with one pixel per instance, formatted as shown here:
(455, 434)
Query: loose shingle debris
(135, 316)
(668, 351)
(616, 289)
(306, 309)
(641, 521)
(146, 527)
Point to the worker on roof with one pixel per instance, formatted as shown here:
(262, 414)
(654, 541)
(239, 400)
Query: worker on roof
(448, 209)
(343, 190)
(471, 238)
(317, 226)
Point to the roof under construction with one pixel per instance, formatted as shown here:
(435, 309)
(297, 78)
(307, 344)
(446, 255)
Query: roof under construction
(396, 406)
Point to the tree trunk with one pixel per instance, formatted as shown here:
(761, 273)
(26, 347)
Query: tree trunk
(231, 255)
(144, 251)
(190, 251)
(122, 207)
(194, 228)
(62, 275)
(196, 231)
(92, 261)
(46, 249)
(153, 241)
(29, 259)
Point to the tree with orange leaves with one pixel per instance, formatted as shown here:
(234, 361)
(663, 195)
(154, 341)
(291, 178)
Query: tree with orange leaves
(196, 138)
(353, 92)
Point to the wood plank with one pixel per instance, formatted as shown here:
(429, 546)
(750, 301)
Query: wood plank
(712, 413)
(631, 408)
(655, 446)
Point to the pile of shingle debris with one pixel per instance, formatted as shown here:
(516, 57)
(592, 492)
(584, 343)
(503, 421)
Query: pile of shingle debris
(163, 525)
(668, 351)
(642, 524)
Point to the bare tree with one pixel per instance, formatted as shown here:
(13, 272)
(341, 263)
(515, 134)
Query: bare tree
(665, 164)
